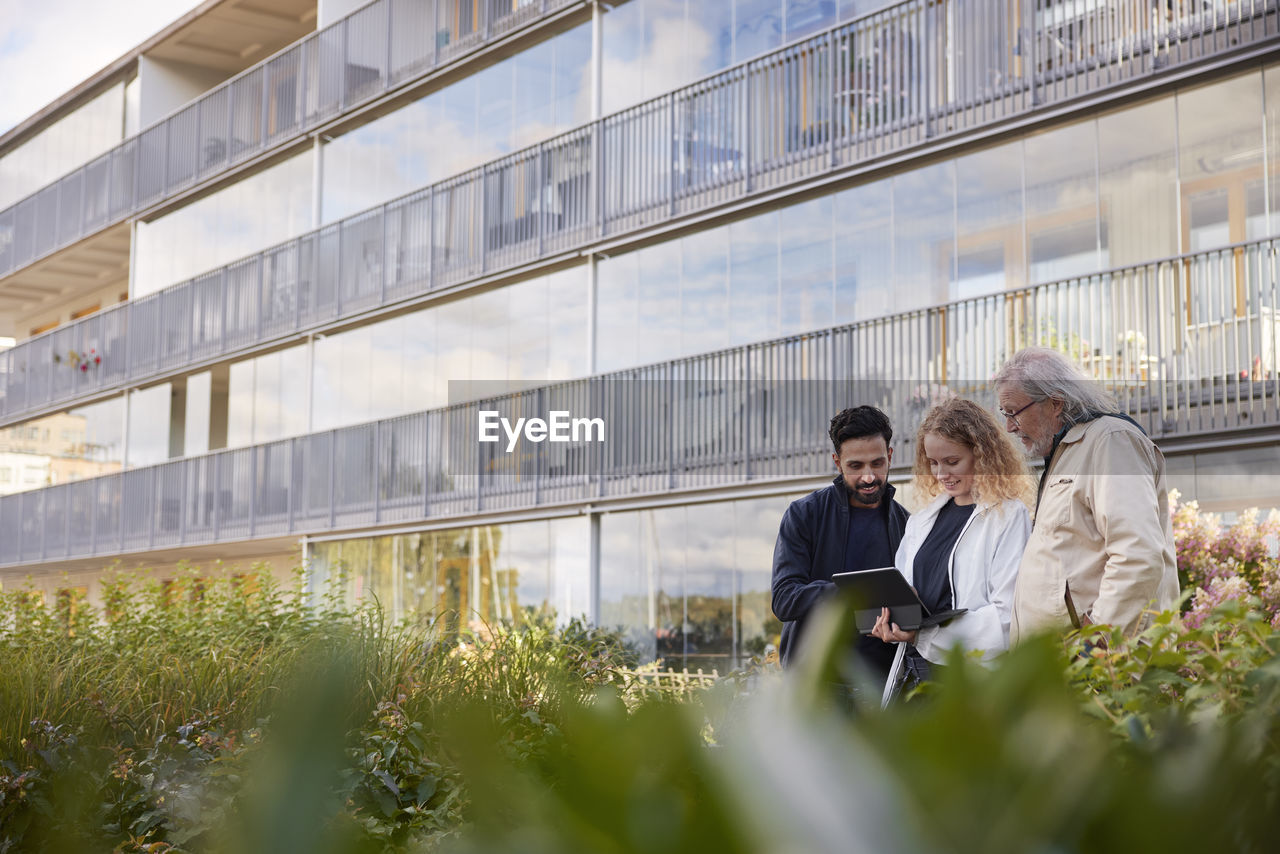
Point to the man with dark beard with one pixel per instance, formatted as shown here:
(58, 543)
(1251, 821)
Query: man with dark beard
(851, 525)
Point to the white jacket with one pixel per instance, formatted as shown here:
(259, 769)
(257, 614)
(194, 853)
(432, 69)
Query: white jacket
(983, 569)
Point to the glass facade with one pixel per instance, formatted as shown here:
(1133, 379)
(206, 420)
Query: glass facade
(525, 99)
(267, 397)
(82, 442)
(686, 585)
(515, 572)
(68, 143)
(654, 46)
(690, 585)
(252, 214)
(150, 422)
(1107, 192)
(532, 331)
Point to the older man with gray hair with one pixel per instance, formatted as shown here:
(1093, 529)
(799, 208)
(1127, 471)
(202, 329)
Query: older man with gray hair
(1102, 545)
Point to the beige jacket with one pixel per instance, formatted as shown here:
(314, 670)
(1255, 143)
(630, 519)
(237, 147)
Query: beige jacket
(1103, 527)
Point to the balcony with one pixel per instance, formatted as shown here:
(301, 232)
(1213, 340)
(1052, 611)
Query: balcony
(775, 121)
(367, 54)
(1188, 351)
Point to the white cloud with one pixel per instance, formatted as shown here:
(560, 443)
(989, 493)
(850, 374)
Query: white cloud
(47, 48)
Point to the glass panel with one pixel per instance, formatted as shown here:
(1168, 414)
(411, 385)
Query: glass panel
(710, 587)
(703, 302)
(753, 279)
(626, 579)
(521, 587)
(240, 404)
(149, 425)
(806, 263)
(1136, 184)
(527, 308)
(572, 81)
(757, 27)
(864, 252)
(989, 219)
(755, 532)
(82, 442)
(67, 144)
(809, 16)
(453, 358)
(1220, 157)
(1062, 202)
(710, 36)
(617, 280)
(570, 568)
(850, 9)
(567, 324)
(246, 217)
(924, 235)
(533, 108)
(622, 67)
(495, 109)
(1271, 85)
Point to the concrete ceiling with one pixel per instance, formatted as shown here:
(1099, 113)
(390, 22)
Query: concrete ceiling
(235, 34)
(79, 269)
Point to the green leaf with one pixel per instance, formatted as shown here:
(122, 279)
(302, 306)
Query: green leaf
(427, 789)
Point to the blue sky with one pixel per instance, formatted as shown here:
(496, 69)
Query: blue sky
(48, 46)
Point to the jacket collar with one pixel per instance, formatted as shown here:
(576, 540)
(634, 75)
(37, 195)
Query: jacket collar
(935, 506)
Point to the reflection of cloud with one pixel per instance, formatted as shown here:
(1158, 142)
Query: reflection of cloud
(246, 217)
(62, 147)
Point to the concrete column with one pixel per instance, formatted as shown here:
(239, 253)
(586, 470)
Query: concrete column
(177, 417)
(219, 390)
(593, 564)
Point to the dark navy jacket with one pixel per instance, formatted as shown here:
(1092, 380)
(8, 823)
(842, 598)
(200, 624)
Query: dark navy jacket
(810, 548)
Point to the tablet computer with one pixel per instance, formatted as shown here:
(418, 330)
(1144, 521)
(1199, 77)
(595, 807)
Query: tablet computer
(873, 589)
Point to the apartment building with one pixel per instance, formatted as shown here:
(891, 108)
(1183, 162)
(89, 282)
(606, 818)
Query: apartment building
(280, 265)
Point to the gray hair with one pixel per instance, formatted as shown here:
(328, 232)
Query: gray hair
(1041, 373)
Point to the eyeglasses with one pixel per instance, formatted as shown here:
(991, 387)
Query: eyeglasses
(1013, 416)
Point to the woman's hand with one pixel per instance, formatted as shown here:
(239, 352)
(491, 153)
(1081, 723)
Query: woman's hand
(889, 632)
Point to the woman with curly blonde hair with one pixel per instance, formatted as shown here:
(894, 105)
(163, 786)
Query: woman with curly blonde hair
(961, 551)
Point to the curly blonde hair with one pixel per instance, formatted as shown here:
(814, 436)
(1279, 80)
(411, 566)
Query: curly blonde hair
(999, 469)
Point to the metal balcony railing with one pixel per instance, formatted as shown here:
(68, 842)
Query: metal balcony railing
(1190, 344)
(879, 84)
(366, 54)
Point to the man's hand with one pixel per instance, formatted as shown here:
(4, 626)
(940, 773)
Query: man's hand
(889, 632)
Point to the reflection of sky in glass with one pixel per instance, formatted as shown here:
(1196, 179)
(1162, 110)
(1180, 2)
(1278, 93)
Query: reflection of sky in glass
(1062, 201)
(864, 251)
(753, 277)
(924, 240)
(518, 102)
(248, 216)
(989, 220)
(806, 265)
(68, 143)
(704, 292)
(104, 429)
(531, 331)
(149, 425)
(1137, 184)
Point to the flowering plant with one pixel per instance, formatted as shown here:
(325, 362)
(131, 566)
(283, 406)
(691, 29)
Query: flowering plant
(80, 361)
(1220, 562)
